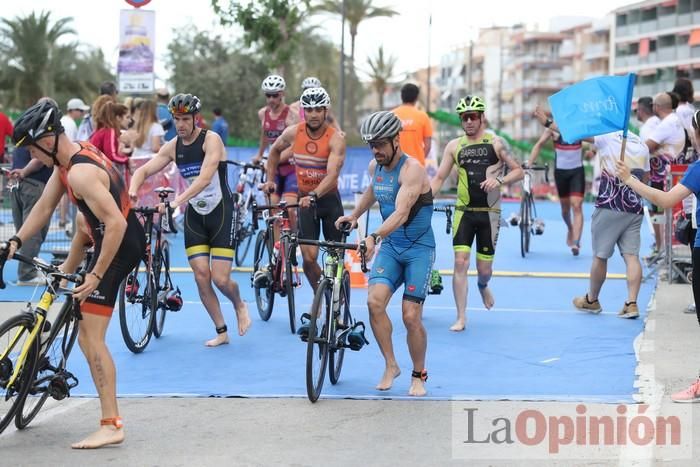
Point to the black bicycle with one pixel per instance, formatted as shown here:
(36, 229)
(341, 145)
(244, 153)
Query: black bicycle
(33, 351)
(147, 293)
(251, 175)
(274, 263)
(330, 327)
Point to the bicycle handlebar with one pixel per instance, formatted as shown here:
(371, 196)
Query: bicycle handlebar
(245, 165)
(166, 220)
(544, 168)
(38, 263)
(336, 246)
(447, 209)
(282, 205)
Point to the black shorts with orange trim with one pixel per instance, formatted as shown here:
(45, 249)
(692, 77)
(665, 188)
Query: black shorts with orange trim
(131, 251)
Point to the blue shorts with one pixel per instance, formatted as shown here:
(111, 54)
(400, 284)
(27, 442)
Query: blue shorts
(412, 268)
(286, 180)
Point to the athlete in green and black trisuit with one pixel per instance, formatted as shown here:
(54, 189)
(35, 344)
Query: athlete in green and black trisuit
(480, 156)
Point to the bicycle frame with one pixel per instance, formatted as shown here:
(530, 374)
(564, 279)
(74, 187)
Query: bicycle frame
(334, 266)
(285, 240)
(40, 310)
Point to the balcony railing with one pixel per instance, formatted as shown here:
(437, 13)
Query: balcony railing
(596, 51)
(668, 21)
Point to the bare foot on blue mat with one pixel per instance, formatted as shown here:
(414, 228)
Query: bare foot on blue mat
(459, 325)
(243, 318)
(417, 388)
(390, 373)
(486, 297)
(220, 339)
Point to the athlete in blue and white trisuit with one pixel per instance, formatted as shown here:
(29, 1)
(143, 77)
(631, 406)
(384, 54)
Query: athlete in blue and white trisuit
(402, 188)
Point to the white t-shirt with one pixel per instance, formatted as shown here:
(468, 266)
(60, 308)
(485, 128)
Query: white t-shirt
(609, 146)
(147, 148)
(647, 127)
(71, 129)
(685, 114)
(669, 135)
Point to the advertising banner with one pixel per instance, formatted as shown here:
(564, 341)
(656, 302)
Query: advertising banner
(136, 50)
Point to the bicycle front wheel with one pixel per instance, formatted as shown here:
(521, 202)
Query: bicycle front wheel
(137, 299)
(52, 361)
(14, 334)
(337, 353)
(289, 285)
(264, 293)
(318, 340)
(161, 270)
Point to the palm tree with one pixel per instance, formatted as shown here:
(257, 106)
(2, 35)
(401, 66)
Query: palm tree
(356, 11)
(382, 72)
(29, 45)
(38, 65)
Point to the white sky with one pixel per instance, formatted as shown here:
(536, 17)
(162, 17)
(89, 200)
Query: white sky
(406, 36)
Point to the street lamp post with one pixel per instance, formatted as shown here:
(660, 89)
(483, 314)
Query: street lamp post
(342, 67)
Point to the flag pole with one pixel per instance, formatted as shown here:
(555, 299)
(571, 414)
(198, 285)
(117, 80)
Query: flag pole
(624, 145)
(631, 77)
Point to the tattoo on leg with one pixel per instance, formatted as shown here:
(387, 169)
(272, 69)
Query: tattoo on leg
(100, 379)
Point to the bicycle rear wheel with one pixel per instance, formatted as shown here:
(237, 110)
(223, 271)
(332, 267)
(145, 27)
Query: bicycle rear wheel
(524, 225)
(51, 361)
(289, 285)
(137, 300)
(14, 334)
(264, 296)
(530, 222)
(336, 355)
(318, 341)
(161, 270)
(245, 234)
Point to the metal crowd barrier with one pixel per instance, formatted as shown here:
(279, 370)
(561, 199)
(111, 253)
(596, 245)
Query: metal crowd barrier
(59, 235)
(678, 257)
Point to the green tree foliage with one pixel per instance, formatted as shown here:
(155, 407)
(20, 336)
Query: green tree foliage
(221, 75)
(40, 61)
(382, 72)
(272, 26)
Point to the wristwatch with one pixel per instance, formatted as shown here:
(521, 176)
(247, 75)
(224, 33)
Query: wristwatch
(313, 195)
(376, 237)
(548, 122)
(499, 179)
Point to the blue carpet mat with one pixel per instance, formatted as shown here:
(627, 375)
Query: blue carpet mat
(533, 346)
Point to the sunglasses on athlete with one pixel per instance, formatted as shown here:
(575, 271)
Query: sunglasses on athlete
(272, 95)
(470, 116)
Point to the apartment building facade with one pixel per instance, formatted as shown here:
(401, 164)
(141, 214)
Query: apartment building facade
(659, 40)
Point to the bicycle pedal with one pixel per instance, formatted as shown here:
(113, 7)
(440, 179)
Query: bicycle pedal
(6, 369)
(356, 337)
(173, 302)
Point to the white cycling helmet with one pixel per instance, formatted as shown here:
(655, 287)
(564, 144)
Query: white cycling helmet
(314, 97)
(273, 83)
(310, 82)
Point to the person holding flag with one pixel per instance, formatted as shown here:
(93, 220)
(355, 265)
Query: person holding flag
(600, 108)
